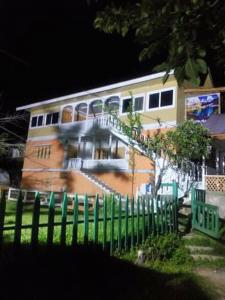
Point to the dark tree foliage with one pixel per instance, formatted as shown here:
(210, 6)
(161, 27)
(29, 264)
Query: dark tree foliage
(188, 35)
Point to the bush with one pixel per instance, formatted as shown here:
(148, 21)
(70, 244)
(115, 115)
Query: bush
(162, 247)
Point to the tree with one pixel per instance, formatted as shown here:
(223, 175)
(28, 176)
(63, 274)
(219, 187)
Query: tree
(188, 141)
(189, 36)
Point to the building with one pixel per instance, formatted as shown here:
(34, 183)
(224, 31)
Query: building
(73, 146)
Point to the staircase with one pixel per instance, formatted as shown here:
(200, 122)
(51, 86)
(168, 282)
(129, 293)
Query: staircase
(185, 175)
(102, 185)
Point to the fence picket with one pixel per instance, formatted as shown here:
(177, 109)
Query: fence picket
(75, 220)
(51, 216)
(112, 225)
(119, 225)
(132, 223)
(86, 217)
(148, 216)
(35, 221)
(64, 219)
(143, 219)
(2, 215)
(153, 215)
(138, 217)
(126, 223)
(18, 221)
(104, 221)
(96, 208)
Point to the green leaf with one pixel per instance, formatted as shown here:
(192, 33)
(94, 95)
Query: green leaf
(202, 65)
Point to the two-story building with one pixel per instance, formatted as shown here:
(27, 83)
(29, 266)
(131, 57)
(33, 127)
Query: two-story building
(72, 146)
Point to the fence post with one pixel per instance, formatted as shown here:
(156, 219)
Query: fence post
(86, 219)
(35, 221)
(112, 225)
(51, 215)
(64, 218)
(96, 219)
(18, 222)
(75, 220)
(148, 211)
(2, 216)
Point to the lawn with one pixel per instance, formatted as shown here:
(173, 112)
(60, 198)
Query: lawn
(27, 220)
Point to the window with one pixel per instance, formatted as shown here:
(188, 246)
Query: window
(153, 100)
(43, 152)
(126, 104)
(160, 99)
(52, 118)
(95, 108)
(138, 103)
(37, 121)
(167, 98)
(67, 114)
(112, 104)
(80, 112)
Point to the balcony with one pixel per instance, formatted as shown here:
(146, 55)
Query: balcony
(97, 164)
(90, 126)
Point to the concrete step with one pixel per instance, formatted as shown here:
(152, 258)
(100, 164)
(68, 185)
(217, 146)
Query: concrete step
(199, 249)
(206, 257)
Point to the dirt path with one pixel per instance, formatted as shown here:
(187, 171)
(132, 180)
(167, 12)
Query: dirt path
(217, 278)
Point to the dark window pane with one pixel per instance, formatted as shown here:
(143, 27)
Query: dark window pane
(153, 100)
(126, 104)
(55, 118)
(96, 107)
(138, 103)
(34, 122)
(40, 120)
(167, 98)
(48, 119)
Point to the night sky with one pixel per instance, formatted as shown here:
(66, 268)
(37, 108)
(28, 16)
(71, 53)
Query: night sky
(51, 49)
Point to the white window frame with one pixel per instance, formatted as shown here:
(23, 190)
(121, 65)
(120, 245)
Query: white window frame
(160, 91)
(55, 124)
(39, 115)
(133, 99)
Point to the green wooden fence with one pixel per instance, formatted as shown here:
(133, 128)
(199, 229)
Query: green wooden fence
(205, 217)
(113, 223)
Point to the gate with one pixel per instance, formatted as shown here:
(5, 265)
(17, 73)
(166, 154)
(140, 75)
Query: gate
(205, 217)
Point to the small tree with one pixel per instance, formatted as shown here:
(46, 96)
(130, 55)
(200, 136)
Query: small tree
(188, 141)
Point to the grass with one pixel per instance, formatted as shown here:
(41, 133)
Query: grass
(27, 219)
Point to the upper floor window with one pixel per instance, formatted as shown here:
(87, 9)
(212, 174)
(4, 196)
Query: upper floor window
(112, 104)
(52, 118)
(136, 102)
(37, 121)
(127, 104)
(67, 114)
(80, 112)
(95, 107)
(160, 99)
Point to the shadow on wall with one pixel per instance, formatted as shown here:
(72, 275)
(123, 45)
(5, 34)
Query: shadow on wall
(86, 273)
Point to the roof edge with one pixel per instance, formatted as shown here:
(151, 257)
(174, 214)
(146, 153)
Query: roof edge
(96, 90)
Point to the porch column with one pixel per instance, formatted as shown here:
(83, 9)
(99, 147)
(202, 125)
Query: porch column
(110, 146)
(93, 149)
(217, 162)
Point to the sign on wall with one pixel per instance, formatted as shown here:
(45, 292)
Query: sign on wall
(201, 107)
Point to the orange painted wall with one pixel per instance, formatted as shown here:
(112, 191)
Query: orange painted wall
(56, 157)
(57, 181)
(122, 182)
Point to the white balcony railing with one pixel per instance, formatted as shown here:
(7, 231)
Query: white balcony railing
(98, 164)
